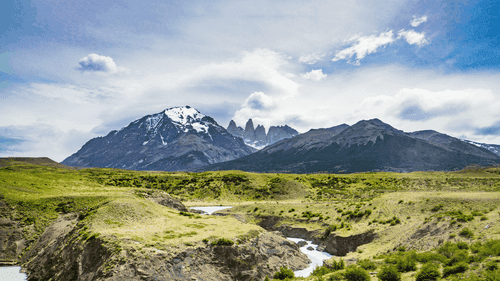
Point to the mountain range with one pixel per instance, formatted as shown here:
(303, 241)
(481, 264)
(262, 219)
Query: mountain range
(177, 138)
(183, 139)
(369, 145)
(257, 137)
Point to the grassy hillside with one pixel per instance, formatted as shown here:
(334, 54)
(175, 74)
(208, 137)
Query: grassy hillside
(412, 214)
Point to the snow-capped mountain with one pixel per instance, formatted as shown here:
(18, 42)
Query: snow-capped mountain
(495, 148)
(177, 138)
(257, 138)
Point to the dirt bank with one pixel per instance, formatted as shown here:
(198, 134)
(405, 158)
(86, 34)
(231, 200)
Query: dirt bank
(332, 244)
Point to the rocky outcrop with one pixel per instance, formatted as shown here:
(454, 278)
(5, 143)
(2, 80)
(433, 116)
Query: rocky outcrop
(67, 251)
(12, 241)
(164, 199)
(332, 244)
(252, 260)
(340, 246)
(257, 137)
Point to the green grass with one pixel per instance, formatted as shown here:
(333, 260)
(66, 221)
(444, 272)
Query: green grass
(419, 211)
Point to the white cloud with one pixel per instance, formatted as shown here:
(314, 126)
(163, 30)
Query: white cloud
(311, 58)
(417, 21)
(316, 75)
(413, 37)
(95, 62)
(364, 45)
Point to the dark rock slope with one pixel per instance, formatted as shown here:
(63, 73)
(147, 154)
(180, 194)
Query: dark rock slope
(369, 145)
(178, 138)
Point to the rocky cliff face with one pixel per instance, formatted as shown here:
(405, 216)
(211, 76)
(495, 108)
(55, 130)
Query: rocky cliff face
(257, 137)
(179, 138)
(62, 254)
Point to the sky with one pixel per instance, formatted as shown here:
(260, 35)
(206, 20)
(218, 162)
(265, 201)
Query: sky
(74, 70)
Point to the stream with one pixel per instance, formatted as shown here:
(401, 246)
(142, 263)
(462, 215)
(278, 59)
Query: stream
(211, 210)
(315, 256)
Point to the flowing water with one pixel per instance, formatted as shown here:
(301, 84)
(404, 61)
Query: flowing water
(315, 256)
(211, 210)
(11, 273)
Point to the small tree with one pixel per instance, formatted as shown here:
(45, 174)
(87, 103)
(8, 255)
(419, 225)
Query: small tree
(428, 272)
(354, 273)
(284, 273)
(389, 273)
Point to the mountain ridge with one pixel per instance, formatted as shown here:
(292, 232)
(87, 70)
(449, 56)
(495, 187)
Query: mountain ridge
(177, 138)
(368, 145)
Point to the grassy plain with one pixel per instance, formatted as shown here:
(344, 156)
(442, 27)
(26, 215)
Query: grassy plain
(419, 211)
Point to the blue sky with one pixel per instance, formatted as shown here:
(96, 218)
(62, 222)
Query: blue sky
(74, 70)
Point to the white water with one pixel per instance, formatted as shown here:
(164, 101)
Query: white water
(316, 257)
(11, 273)
(211, 210)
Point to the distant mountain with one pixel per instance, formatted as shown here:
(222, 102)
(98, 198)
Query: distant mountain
(257, 137)
(178, 138)
(495, 148)
(369, 145)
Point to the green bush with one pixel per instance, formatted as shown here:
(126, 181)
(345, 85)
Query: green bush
(389, 273)
(337, 265)
(320, 271)
(492, 275)
(429, 256)
(406, 264)
(466, 232)
(284, 273)
(354, 273)
(428, 272)
(457, 268)
(367, 264)
(492, 266)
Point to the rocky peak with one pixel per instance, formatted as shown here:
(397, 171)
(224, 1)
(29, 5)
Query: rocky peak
(257, 138)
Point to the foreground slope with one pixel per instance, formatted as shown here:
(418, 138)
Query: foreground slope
(109, 224)
(369, 145)
(178, 138)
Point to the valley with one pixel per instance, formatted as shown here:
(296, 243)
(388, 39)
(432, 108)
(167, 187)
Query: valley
(109, 224)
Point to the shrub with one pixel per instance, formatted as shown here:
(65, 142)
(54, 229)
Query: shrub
(492, 275)
(492, 266)
(428, 272)
(389, 273)
(466, 232)
(463, 245)
(337, 265)
(429, 256)
(321, 270)
(354, 273)
(458, 268)
(437, 208)
(367, 264)
(284, 273)
(267, 279)
(222, 242)
(406, 264)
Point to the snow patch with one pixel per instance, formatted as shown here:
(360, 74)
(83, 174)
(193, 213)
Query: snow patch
(255, 144)
(144, 143)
